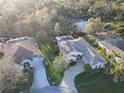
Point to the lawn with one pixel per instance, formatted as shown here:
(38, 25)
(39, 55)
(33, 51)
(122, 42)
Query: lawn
(54, 76)
(97, 83)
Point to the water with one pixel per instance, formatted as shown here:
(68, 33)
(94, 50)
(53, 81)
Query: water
(81, 25)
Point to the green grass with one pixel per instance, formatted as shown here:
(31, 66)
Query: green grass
(52, 74)
(97, 83)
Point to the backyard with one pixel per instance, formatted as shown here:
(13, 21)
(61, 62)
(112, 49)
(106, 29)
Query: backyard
(97, 82)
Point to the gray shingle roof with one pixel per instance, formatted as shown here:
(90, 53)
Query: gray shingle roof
(21, 54)
(115, 45)
(118, 43)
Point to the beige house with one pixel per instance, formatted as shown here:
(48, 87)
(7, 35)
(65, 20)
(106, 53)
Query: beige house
(114, 45)
(21, 49)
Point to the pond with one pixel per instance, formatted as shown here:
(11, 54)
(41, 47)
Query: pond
(81, 24)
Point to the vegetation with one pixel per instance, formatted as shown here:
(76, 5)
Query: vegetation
(97, 82)
(87, 67)
(42, 37)
(94, 25)
(12, 79)
(60, 64)
(118, 72)
(54, 76)
(92, 41)
(57, 28)
(46, 19)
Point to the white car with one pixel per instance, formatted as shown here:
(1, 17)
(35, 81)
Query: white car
(74, 56)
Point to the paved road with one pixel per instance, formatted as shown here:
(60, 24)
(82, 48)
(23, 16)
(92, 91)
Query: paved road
(69, 76)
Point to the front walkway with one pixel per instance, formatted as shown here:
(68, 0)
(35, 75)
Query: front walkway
(69, 76)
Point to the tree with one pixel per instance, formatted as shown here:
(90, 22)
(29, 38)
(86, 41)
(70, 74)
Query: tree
(87, 67)
(10, 77)
(60, 64)
(57, 28)
(118, 72)
(120, 31)
(42, 37)
(109, 26)
(94, 25)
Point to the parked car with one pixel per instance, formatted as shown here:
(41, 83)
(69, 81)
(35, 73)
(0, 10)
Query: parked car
(74, 56)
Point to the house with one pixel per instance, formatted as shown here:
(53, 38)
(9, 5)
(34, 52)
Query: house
(113, 45)
(93, 59)
(21, 49)
(77, 47)
(1, 50)
(1, 47)
(70, 53)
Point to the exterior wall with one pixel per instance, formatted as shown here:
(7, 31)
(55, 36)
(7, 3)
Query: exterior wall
(98, 66)
(108, 51)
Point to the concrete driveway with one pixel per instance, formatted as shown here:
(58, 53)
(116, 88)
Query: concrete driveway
(69, 76)
(39, 75)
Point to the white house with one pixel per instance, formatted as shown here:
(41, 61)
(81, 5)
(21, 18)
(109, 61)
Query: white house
(93, 59)
(74, 47)
(69, 52)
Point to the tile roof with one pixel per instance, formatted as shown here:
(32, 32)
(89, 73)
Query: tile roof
(21, 49)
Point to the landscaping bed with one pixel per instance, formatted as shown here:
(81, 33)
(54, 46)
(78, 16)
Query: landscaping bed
(49, 53)
(97, 83)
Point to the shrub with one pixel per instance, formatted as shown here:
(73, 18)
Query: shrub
(109, 26)
(12, 78)
(87, 67)
(60, 64)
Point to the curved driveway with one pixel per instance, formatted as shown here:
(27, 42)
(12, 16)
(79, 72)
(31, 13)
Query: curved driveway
(69, 76)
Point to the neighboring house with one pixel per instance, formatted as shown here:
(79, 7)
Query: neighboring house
(21, 49)
(1, 50)
(70, 53)
(114, 45)
(75, 47)
(1, 47)
(1, 40)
